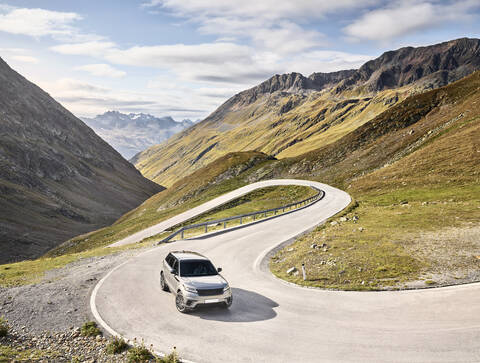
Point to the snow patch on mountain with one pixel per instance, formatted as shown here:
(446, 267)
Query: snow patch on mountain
(134, 132)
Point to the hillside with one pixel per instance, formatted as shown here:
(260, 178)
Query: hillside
(413, 170)
(132, 133)
(289, 115)
(57, 177)
(223, 175)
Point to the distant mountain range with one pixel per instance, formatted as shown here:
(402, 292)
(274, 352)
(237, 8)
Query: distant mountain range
(290, 114)
(58, 178)
(132, 133)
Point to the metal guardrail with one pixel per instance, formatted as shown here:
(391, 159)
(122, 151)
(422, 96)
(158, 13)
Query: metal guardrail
(296, 205)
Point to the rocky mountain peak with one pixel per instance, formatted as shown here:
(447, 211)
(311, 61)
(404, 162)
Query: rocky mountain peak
(132, 133)
(435, 65)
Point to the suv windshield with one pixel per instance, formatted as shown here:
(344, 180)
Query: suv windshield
(190, 268)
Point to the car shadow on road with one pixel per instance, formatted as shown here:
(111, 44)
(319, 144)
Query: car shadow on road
(248, 306)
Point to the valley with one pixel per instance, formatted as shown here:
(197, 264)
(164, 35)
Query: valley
(395, 145)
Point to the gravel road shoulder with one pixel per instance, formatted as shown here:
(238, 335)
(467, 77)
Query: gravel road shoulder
(61, 300)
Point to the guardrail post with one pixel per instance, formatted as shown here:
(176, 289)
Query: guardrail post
(206, 228)
(304, 273)
(182, 232)
(224, 224)
(241, 219)
(275, 212)
(254, 216)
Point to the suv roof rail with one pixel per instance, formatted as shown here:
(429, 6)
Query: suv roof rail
(189, 252)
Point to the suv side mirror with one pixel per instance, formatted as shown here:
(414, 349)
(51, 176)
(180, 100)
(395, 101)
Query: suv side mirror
(219, 269)
(173, 271)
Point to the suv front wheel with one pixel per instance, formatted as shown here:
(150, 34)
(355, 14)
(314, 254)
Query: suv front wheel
(163, 284)
(180, 303)
(229, 302)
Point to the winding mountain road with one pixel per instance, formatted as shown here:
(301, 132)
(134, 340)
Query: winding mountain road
(272, 321)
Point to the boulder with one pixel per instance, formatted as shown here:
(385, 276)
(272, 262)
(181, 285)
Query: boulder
(291, 270)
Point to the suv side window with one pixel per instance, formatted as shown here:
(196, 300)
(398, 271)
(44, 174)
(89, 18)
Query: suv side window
(169, 260)
(175, 264)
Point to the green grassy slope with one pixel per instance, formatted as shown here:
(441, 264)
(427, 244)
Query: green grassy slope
(415, 173)
(316, 120)
(390, 136)
(258, 200)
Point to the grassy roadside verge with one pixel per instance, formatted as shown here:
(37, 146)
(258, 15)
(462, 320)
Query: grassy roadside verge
(406, 238)
(33, 271)
(10, 354)
(260, 199)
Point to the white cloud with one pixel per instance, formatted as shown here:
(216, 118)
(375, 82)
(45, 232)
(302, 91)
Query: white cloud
(92, 48)
(326, 61)
(255, 40)
(13, 50)
(210, 62)
(266, 9)
(102, 70)
(407, 16)
(272, 25)
(25, 59)
(282, 37)
(86, 99)
(287, 38)
(168, 55)
(18, 55)
(71, 86)
(37, 22)
(215, 63)
(225, 63)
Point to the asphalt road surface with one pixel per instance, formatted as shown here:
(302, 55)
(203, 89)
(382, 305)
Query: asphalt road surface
(273, 321)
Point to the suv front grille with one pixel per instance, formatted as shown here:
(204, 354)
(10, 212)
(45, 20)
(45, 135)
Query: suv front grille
(209, 292)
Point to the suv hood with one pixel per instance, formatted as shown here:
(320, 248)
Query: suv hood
(205, 282)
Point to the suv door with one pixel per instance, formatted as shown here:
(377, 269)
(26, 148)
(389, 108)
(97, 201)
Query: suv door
(167, 265)
(173, 276)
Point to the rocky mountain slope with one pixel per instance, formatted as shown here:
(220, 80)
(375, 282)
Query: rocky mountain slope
(290, 114)
(132, 133)
(57, 177)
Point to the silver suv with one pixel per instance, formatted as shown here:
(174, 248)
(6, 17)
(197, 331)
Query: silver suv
(193, 279)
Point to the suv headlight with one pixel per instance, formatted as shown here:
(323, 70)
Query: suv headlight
(226, 288)
(191, 289)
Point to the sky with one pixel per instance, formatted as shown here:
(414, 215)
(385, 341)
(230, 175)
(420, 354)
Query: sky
(184, 58)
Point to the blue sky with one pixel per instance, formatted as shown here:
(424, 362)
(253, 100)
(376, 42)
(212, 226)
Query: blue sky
(185, 57)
